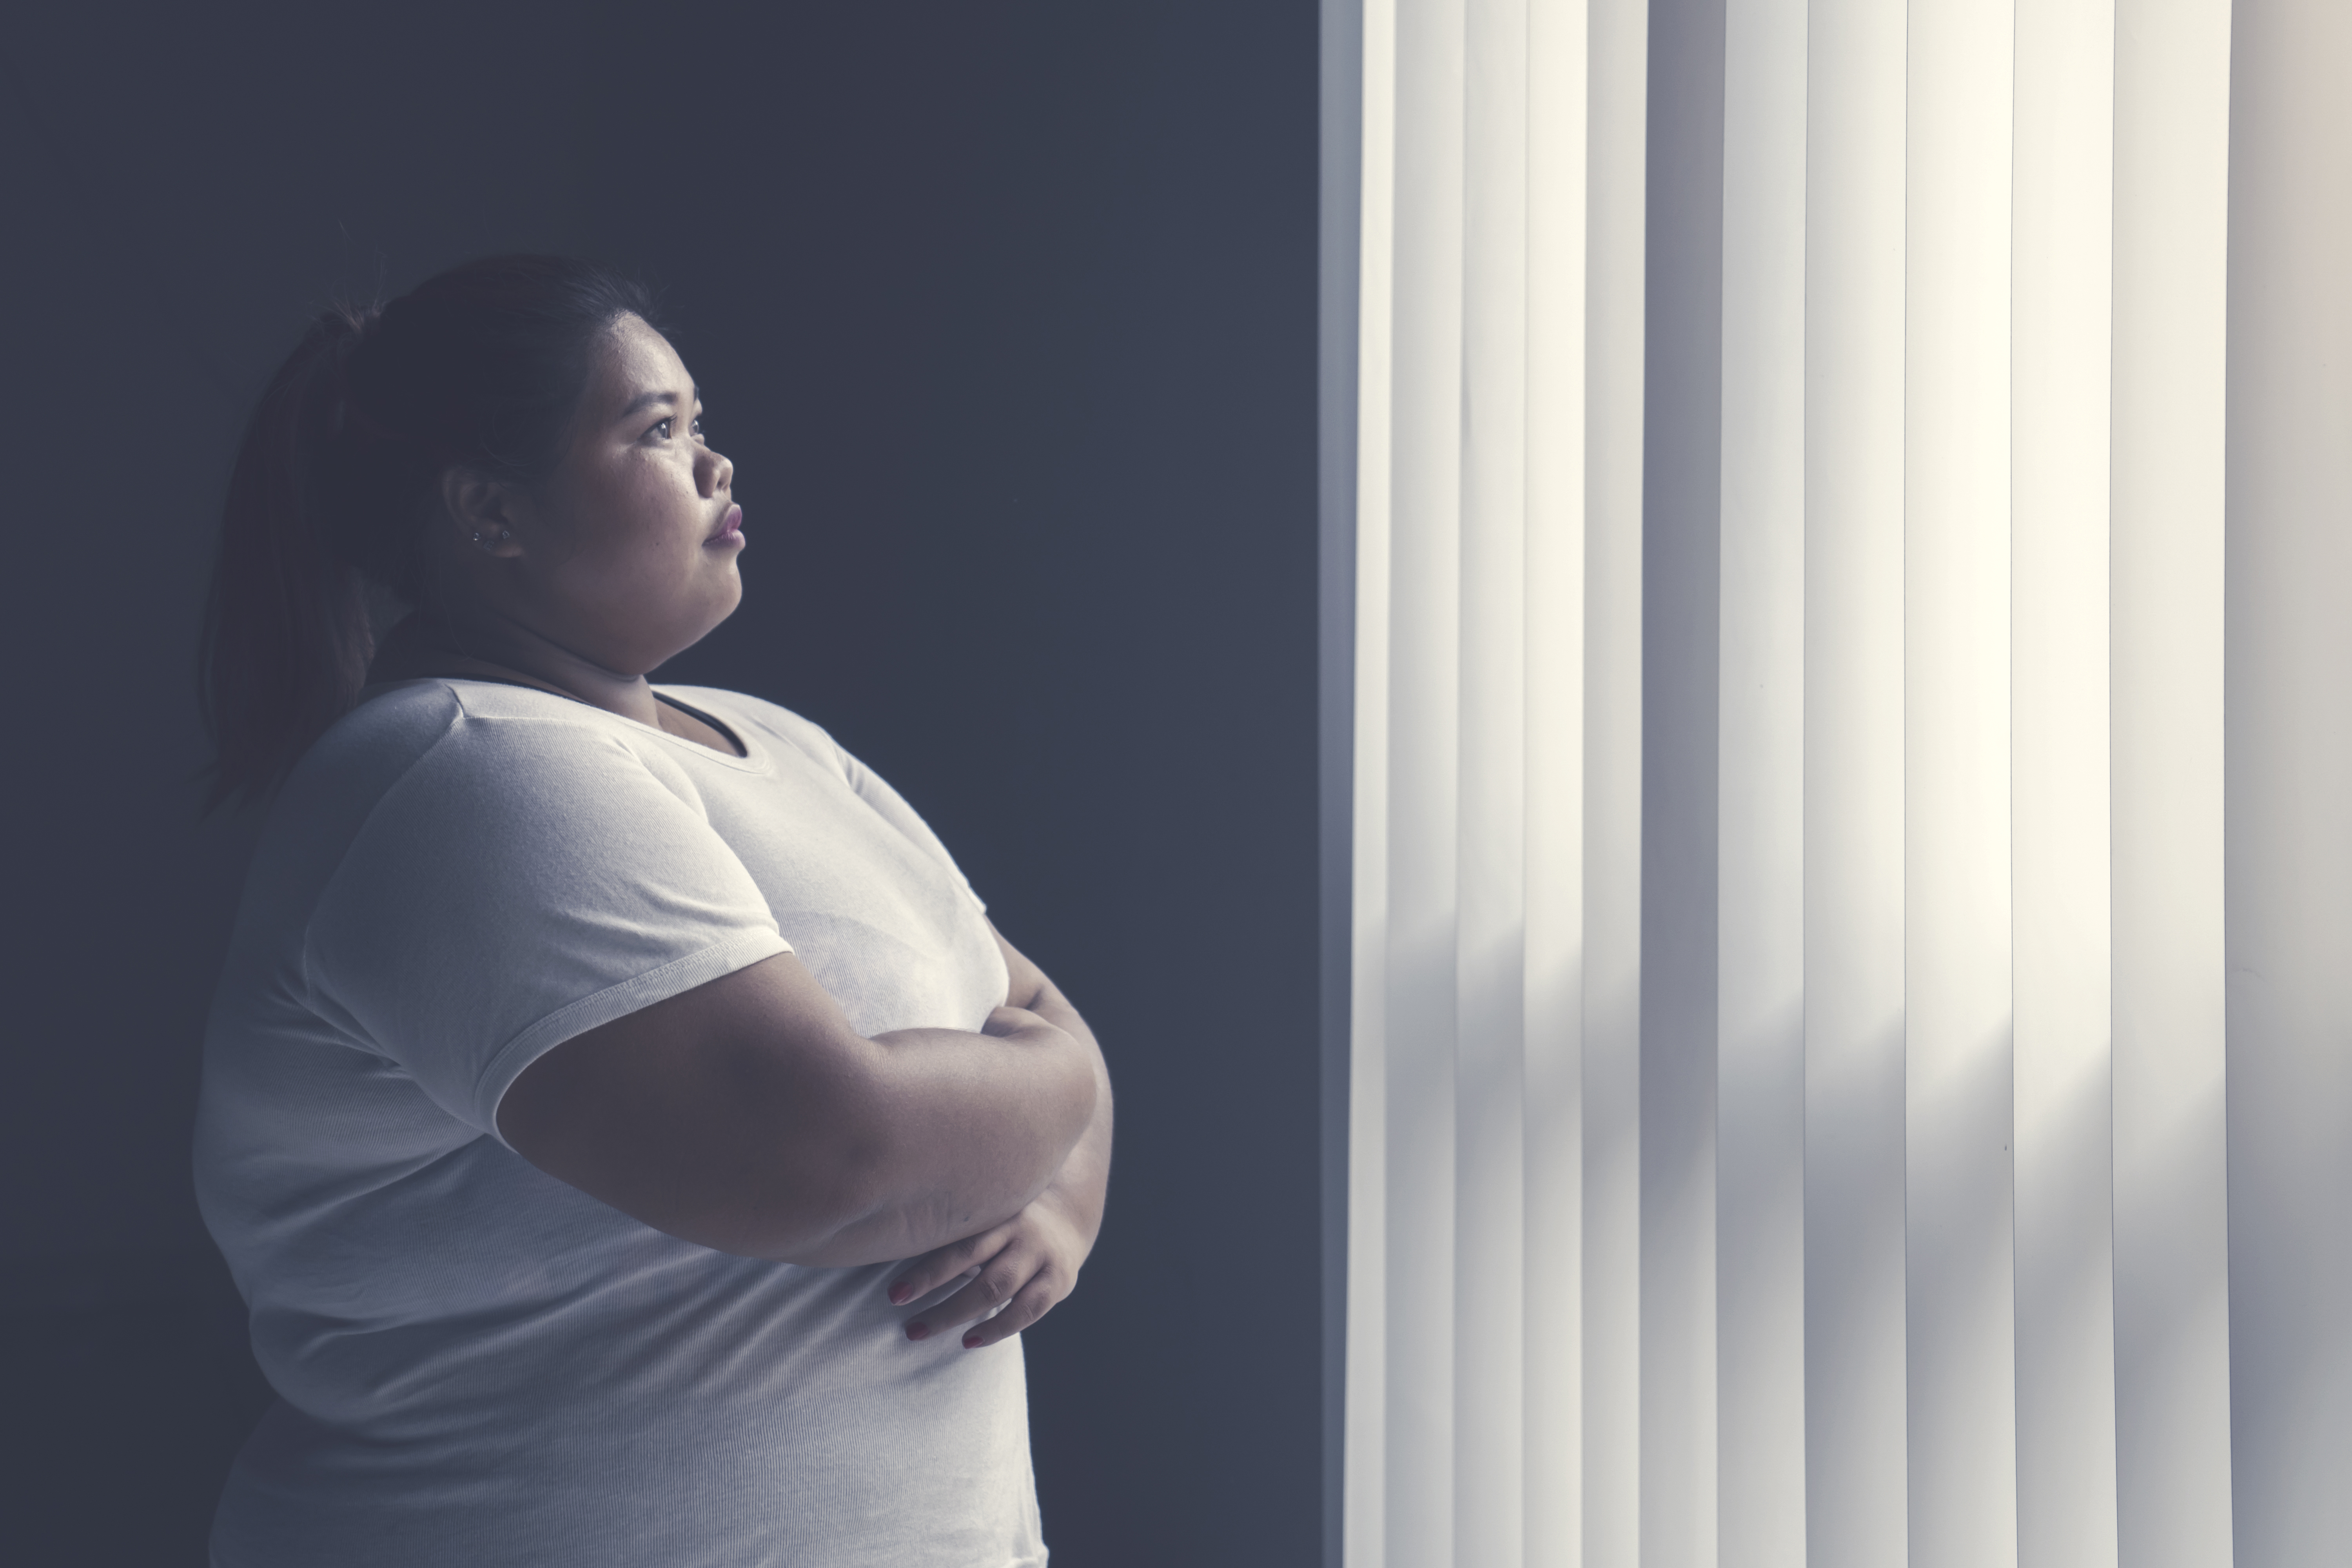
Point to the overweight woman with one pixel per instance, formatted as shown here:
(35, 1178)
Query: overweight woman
(634, 1142)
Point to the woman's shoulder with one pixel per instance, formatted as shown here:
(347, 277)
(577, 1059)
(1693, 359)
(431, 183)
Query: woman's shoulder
(465, 730)
(407, 719)
(367, 750)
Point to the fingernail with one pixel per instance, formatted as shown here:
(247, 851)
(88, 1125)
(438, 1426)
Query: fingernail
(916, 1331)
(972, 1341)
(899, 1292)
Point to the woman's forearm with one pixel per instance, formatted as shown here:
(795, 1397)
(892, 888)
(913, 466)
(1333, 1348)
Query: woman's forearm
(964, 1130)
(1082, 1183)
(746, 1115)
(1078, 1186)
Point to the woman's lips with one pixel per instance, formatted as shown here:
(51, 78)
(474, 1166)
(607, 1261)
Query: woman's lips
(729, 527)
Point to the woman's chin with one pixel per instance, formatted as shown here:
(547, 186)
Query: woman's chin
(725, 604)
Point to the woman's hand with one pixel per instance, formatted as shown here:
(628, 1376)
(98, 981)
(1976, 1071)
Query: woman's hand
(1026, 1265)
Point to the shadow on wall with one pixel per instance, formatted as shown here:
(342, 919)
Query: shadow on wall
(129, 1388)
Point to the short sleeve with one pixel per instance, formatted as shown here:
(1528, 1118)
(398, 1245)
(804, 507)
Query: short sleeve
(523, 883)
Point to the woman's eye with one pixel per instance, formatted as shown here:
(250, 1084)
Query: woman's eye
(661, 428)
(697, 428)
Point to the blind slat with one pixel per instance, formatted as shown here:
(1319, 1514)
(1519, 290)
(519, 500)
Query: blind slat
(1490, 954)
(1611, 827)
(1854, 1338)
(1552, 597)
(1958, 1242)
(2172, 206)
(1760, 992)
(1424, 656)
(2060, 414)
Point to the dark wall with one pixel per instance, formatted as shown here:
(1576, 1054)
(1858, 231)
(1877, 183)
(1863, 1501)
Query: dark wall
(1006, 315)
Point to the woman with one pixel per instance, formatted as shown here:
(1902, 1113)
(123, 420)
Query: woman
(589, 1056)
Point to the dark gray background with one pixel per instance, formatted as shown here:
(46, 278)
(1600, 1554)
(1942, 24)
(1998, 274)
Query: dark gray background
(1007, 315)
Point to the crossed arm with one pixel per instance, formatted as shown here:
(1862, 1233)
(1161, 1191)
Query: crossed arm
(747, 1116)
(1031, 1261)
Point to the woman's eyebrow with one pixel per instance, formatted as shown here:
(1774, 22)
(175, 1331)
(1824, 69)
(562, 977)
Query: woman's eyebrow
(645, 400)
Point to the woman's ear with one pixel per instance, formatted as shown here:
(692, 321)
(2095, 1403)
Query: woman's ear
(483, 512)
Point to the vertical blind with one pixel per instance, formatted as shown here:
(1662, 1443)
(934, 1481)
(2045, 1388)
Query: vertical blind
(1788, 991)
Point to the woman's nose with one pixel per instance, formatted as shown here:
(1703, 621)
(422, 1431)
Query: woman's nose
(715, 472)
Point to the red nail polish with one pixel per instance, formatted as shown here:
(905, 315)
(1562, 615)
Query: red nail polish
(898, 1293)
(916, 1331)
(972, 1341)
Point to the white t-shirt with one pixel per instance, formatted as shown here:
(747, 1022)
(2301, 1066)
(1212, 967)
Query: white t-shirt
(475, 1362)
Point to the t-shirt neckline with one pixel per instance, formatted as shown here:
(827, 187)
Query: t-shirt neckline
(742, 753)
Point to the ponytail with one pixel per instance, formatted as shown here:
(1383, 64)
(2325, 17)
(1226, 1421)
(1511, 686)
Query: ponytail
(286, 643)
(336, 481)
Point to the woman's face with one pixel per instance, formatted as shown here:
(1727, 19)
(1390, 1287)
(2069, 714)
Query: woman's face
(629, 549)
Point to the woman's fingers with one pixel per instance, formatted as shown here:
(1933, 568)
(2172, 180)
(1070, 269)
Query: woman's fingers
(1018, 1275)
(936, 1267)
(1020, 1271)
(999, 1281)
(1032, 1302)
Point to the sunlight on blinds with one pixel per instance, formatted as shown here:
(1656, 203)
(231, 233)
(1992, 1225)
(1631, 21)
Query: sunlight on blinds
(1788, 974)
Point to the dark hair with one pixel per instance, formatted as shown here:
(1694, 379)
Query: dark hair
(481, 369)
